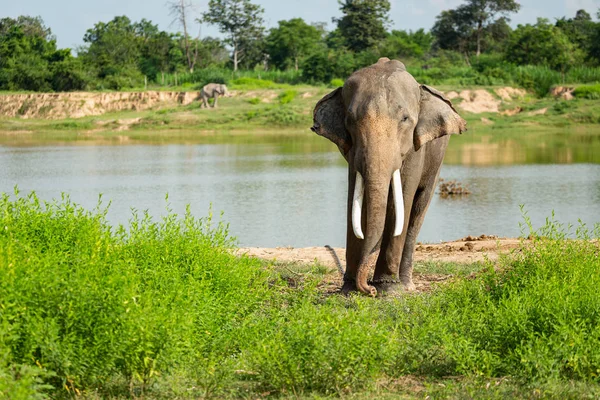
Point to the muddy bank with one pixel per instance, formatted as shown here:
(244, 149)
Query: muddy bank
(82, 104)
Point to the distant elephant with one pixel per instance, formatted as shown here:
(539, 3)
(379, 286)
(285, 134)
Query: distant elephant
(212, 90)
(393, 132)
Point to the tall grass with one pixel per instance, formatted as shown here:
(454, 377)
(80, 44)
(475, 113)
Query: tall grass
(222, 75)
(163, 308)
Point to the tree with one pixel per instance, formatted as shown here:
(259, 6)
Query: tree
(240, 20)
(594, 50)
(180, 11)
(29, 59)
(112, 45)
(542, 44)
(363, 23)
(291, 42)
(580, 30)
(452, 31)
(407, 44)
(482, 13)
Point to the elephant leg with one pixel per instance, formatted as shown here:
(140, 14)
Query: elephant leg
(417, 216)
(422, 199)
(216, 98)
(353, 244)
(204, 101)
(387, 269)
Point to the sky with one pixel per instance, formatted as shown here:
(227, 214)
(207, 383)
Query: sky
(69, 19)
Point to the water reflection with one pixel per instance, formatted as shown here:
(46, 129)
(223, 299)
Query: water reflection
(280, 193)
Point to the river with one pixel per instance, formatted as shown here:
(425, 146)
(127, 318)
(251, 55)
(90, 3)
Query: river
(292, 192)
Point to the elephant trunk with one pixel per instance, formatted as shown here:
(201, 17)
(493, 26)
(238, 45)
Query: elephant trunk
(376, 193)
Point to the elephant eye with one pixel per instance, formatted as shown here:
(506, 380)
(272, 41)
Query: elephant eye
(405, 118)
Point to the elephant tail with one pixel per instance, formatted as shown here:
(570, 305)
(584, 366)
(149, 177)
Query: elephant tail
(338, 263)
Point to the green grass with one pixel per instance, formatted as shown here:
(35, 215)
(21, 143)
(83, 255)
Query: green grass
(588, 92)
(162, 309)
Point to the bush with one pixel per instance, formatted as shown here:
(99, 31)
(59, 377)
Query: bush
(115, 311)
(287, 96)
(587, 92)
(90, 304)
(335, 83)
(253, 83)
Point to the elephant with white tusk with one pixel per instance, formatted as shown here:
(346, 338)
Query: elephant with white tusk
(212, 90)
(393, 132)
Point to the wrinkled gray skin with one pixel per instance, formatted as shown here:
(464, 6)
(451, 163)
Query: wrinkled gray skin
(383, 120)
(212, 90)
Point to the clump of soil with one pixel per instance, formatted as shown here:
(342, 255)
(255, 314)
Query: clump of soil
(452, 188)
(563, 92)
(481, 101)
(513, 111)
(508, 93)
(478, 101)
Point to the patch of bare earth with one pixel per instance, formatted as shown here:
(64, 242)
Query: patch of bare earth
(481, 101)
(464, 251)
(81, 104)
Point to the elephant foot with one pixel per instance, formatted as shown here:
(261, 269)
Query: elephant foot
(393, 285)
(349, 286)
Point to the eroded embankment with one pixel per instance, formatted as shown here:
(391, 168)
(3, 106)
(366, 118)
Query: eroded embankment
(81, 104)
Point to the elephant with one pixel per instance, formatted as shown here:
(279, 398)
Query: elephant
(212, 90)
(393, 132)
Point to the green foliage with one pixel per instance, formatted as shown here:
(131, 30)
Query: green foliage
(281, 115)
(29, 59)
(335, 83)
(363, 23)
(242, 23)
(402, 44)
(542, 44)
(107, 310)
(287, 96)
(322, 67)
(254, 101)
(85, 302)
(588, 92)
(289, 43)
(253, 83)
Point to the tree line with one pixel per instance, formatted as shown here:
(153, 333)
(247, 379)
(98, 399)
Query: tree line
(122, 53)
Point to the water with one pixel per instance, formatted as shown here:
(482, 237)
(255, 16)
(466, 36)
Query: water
(292, 193)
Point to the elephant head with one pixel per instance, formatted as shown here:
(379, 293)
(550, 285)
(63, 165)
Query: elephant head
(378, 117)
(223, 90)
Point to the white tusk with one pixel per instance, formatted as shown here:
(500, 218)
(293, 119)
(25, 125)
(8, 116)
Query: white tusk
(357, 203)
(398, 202)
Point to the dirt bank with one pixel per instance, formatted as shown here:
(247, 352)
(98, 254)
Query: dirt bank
(81, 104)
(481, 101)
(465, 251)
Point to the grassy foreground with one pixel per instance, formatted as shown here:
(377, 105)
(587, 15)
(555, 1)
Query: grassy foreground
(162, 309)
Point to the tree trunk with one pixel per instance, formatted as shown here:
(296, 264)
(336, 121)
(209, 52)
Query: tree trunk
(235, 59)
(479, 31)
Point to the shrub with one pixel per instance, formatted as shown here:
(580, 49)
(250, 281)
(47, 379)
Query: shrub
(287, 96)
(86, 306)
(88, 303)
(335, 83)
(588, 92)
(253, 83)
(254, 100)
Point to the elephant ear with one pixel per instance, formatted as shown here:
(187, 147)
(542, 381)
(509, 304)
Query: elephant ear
(437, 117)
(328, 117)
